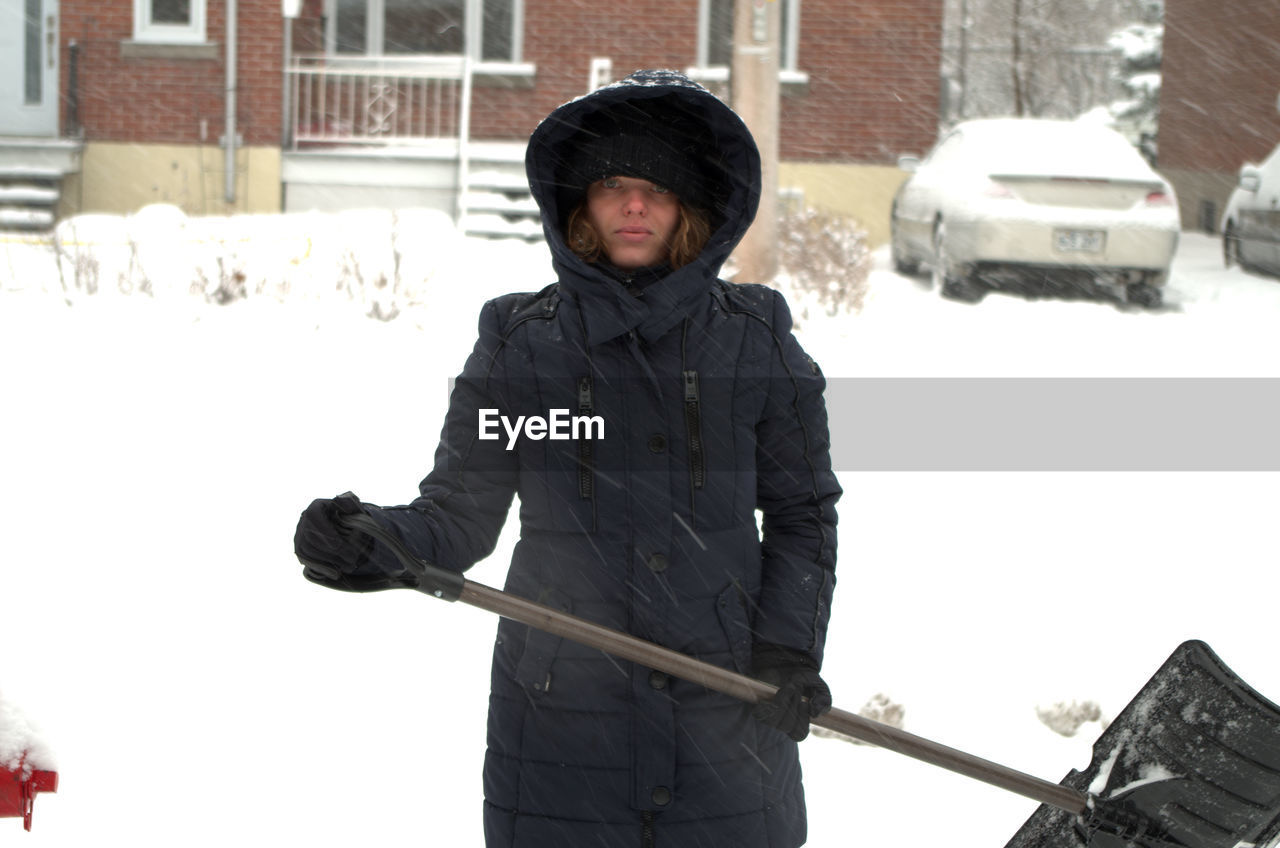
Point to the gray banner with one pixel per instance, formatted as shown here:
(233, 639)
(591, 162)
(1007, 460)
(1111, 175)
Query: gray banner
(1054, 424)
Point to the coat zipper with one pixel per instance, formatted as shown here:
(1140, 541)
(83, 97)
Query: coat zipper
(586, 456)
(646, 830)
(693, 422)
(584, 446)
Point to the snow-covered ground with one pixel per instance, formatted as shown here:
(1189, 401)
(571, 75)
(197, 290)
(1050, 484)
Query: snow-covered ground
(155, 451)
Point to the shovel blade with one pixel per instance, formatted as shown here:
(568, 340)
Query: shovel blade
(1196, 754)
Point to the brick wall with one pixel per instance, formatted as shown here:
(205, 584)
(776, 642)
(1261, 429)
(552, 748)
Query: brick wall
(874, 81)
(173, 96)
(560, 39)
(1221, 78)
(1218, 110)
(873, 69)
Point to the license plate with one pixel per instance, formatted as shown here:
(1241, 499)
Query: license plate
(1079, 241)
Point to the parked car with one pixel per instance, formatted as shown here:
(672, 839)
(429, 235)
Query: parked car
(1037, 205)
(1251, 222)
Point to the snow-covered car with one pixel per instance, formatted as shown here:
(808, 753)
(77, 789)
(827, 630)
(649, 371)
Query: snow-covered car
(1036, 205)
(1251, 221)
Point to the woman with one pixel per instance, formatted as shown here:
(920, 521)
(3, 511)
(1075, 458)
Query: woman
(708, 410)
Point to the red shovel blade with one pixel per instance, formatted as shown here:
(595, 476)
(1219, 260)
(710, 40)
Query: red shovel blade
(18, 788)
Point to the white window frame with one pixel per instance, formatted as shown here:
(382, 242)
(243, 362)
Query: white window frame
(375, 18)
(790, 52)
(144, 30)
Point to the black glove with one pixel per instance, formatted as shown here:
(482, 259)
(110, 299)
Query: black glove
(328, 551)
(802, 693)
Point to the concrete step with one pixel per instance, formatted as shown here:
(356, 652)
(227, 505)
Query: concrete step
(498, 201)
(19, 194)
(490, 201)
(20, 218)
(497, 226)
(28, 196)
(506, 181)
(29, 173)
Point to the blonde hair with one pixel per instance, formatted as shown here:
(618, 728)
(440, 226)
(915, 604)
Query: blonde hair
(693, 229)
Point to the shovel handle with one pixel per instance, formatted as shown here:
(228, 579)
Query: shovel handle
(728, 682)
(450, 586)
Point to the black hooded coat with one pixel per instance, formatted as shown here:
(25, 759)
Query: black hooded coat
(710, 410)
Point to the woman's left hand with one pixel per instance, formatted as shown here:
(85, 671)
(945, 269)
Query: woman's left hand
(802, 693)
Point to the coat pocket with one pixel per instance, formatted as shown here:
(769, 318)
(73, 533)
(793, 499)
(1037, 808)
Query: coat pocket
(731, 607)
(533, 671)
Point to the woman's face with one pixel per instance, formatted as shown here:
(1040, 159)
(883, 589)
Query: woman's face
(635, 219)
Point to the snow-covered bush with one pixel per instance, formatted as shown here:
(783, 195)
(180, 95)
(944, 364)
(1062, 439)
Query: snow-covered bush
(381, 260)
(93, 254)
(824, 257)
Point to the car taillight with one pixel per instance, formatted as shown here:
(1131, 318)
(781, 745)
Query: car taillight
(999, 190)
(1158, 198)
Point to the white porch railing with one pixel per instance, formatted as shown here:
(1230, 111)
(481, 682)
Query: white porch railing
(361, 100)
(378, 100)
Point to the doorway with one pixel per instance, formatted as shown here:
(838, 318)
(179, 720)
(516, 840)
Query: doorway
(29, 68)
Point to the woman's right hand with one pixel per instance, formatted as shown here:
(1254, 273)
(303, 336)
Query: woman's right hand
(324, 546)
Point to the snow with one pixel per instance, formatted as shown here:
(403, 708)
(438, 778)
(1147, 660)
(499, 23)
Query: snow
(1043, 146)
(1150, 773)
(1139, 44)
(158, 447)
(22, 747)
(1099, 783)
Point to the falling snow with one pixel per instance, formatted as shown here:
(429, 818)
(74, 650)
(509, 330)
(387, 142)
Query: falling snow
(158, 446)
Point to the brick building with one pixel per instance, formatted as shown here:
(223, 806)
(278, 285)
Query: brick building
(354, 103)
(1219, 98)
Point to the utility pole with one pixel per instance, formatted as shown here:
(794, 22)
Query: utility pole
(963, 72)
(753, 93)
(1016, 63)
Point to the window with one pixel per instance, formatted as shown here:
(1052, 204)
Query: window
(715, 33)
(418, 27)
(33, 56)
(498, 34)
(169, 21)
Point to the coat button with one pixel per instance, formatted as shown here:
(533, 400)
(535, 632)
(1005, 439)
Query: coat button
(657, 680)
(657, 443)
(661, 796)
(658, 563)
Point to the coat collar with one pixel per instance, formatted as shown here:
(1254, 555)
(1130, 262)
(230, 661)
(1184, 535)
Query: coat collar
(609, 309)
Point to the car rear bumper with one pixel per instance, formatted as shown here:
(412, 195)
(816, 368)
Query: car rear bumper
(1050, 279)
(1124, 244)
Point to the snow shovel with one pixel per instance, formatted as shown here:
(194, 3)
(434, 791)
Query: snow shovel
(1193, 761)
